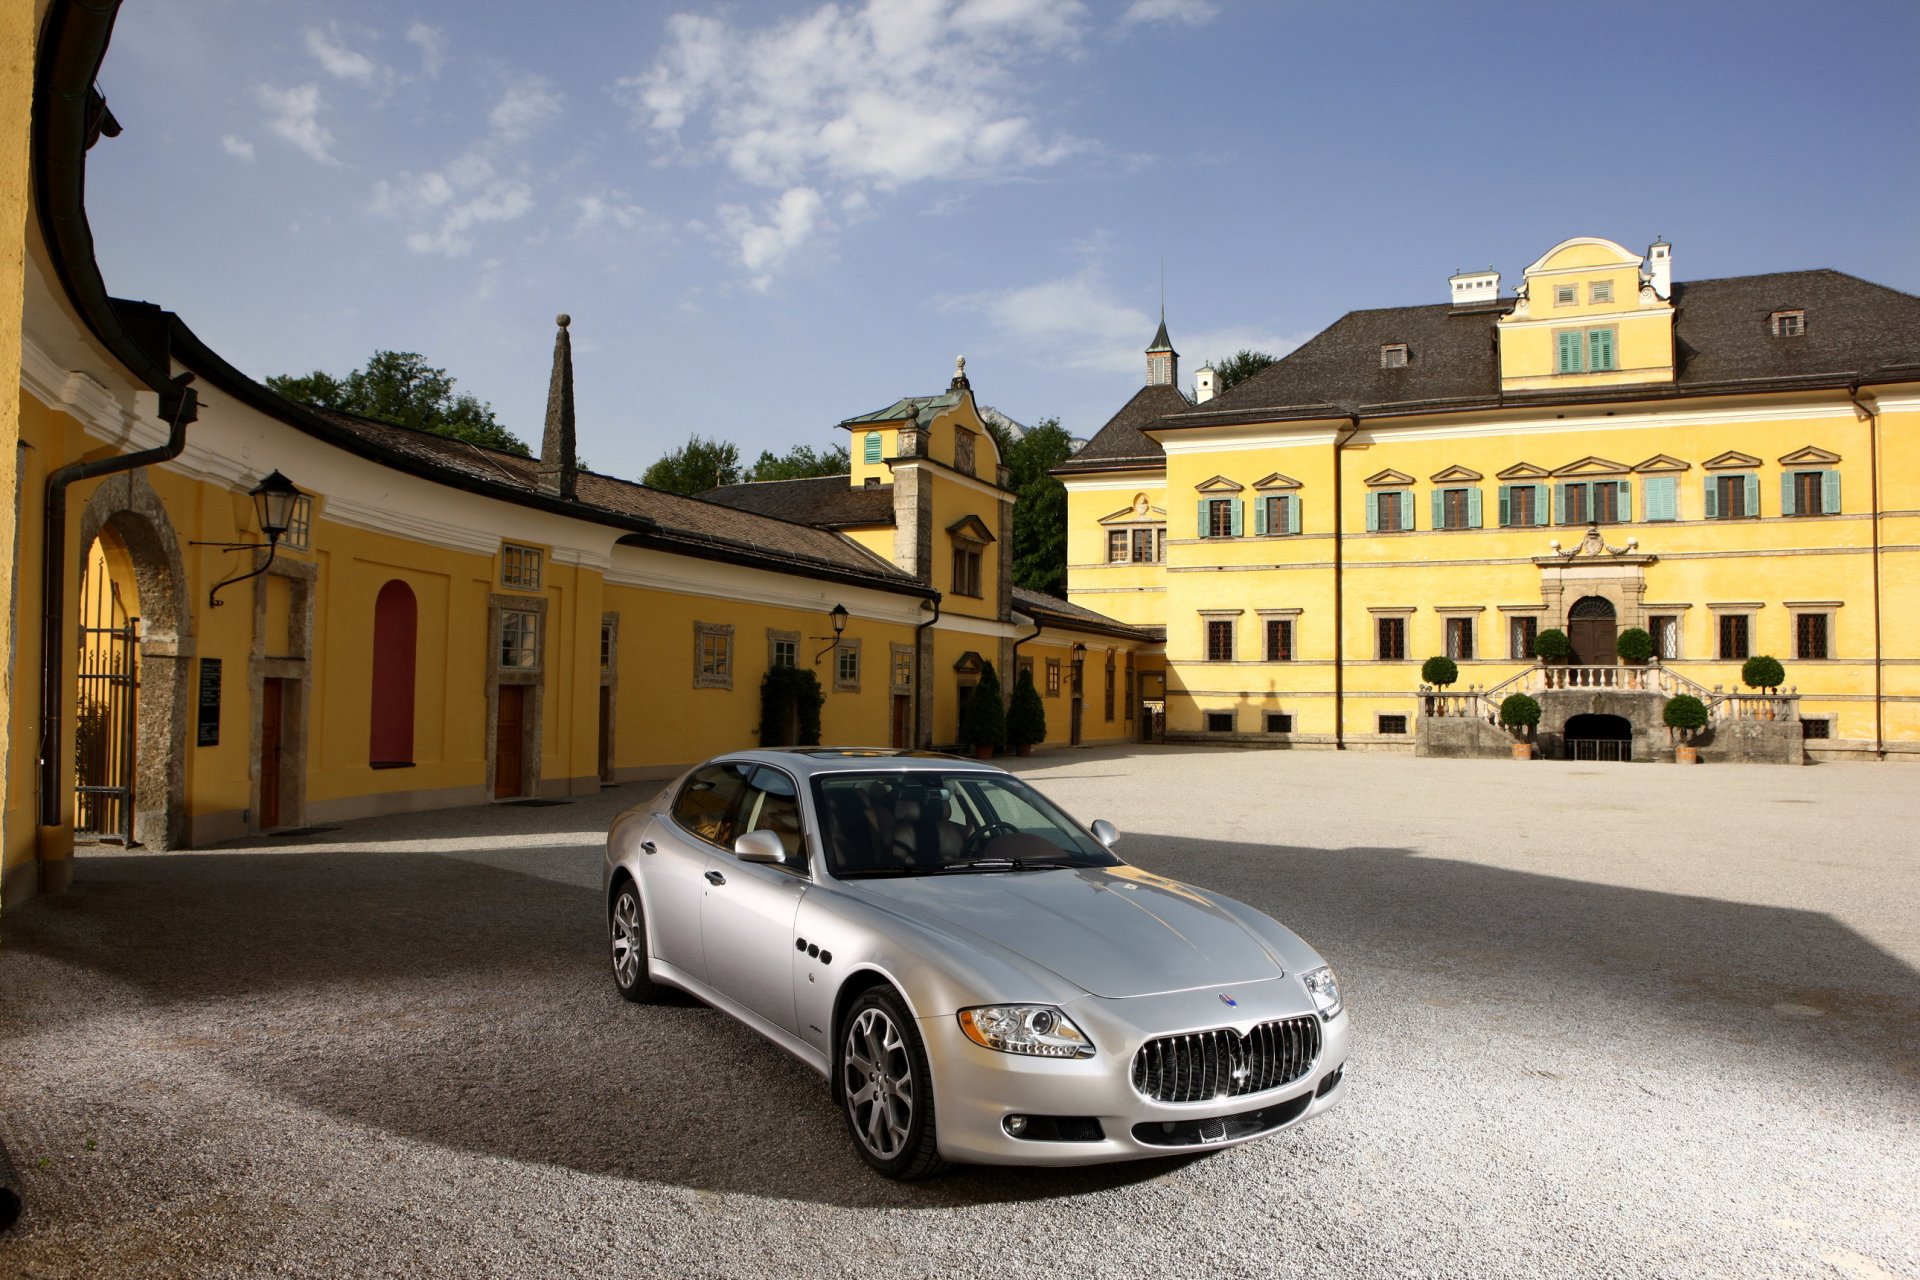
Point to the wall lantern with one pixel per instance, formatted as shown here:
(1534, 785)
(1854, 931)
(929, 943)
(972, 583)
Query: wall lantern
(273, 502)
(838, 615)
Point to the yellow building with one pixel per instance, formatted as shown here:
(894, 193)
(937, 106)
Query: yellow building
(1729, 465)
(233, 614)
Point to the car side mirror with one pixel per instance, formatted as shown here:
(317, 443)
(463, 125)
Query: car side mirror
(760, 846)
(1105, 832)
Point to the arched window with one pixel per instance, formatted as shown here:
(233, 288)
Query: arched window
(396, 624)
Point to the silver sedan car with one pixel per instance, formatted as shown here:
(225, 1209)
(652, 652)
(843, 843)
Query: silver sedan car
(979, 978)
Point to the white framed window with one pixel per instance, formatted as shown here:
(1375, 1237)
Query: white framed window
(520, 566)
(783, 648)
(1665, 630)
(1787, 324)
(299, 534)
(519, 640)
(902, 667)
(846, 667)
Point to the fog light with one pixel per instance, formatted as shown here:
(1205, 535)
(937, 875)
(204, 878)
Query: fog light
(1015, 1125)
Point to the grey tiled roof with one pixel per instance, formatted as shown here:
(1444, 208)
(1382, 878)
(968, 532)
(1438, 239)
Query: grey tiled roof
(828, 502)
(1120, 445)
(692, 525)
(1053, 609)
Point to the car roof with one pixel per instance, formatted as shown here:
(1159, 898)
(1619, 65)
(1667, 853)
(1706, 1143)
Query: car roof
(816, 760)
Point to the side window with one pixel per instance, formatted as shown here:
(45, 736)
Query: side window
(707, 805)
(773, 804)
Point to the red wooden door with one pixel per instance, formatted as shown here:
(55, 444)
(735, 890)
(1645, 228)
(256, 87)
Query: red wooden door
(509, 740)
(902, 720)
(272, 709)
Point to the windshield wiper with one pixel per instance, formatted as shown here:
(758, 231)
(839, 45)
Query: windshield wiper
(1007, 864)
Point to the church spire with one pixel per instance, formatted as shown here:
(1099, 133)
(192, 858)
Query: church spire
(558, 458)
(1163, 362)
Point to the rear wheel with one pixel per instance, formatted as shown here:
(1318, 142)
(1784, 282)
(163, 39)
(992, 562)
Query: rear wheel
(627, 937)
(886, 1088)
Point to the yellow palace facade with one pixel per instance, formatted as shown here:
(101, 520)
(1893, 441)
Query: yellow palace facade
(1731, 465)
(230, 614)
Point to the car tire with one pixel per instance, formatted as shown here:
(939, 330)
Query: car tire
(886, 1088)
(627, 945)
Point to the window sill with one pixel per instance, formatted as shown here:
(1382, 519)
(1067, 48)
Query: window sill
(389, 764)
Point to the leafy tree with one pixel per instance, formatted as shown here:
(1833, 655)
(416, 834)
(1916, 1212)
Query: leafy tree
(1040, 514)
(1027, 716)
(698, 465)
(1240, 366)
(1762, 672)
(790, 703)
(1439, 671)
(984, 723)
(400, 387)
(1634, 645)
(1552, 645)
(1519, 711)
(800, 462)
(1686, 713)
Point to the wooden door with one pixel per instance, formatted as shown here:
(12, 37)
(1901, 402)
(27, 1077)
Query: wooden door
(509, 740)
(606, 733)
(272, 718)
(902, 720)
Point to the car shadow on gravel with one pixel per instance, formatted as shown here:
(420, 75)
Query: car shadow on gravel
(465, 1004)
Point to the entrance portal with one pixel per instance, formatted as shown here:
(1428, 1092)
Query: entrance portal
(1598, 737)
(1590, 626)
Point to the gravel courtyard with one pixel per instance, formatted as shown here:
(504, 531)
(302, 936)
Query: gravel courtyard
(1610, 1020)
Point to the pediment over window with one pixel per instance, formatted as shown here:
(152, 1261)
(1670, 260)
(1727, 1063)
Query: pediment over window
(1276, 481)
(1731, 460)
(1219, 484)
(1457, 474)
(1137, 515)
(970, 529)
(1663, 462)
(1810, 455)
(1524, 471)
(1592, 466)
(1389, 477)
(968, 663)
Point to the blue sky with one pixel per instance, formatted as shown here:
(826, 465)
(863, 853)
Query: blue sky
(766, 218)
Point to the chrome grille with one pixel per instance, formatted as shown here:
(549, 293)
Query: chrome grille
(1222, 1063)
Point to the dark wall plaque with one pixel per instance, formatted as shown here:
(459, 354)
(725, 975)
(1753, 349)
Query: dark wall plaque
(209, 730)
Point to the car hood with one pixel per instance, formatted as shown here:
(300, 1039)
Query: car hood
(1112, 931)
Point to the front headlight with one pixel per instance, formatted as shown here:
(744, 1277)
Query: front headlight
(1325, 990)
(1036, 1030)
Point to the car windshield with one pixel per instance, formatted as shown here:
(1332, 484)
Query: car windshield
(934, 822)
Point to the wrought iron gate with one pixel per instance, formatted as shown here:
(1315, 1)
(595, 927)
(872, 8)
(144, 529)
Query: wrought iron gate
(103, 719)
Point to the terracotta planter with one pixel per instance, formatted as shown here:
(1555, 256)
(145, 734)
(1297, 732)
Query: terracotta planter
(1684, 754)
(983, 753)
(1523, 751)
(1023, 749)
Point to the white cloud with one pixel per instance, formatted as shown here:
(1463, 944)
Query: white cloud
(296, 118)
(523, 106)
(339, 61)
(764, 243)
(238, 148)
(1192, 12)
(846, 100)
(432, 43)
(611, 209)
(450, 203)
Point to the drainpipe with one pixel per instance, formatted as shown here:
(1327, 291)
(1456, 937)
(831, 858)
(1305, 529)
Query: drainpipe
(926, 677)
(1339, 592)
(1872, 417)
(179, 405)
(1038, 627)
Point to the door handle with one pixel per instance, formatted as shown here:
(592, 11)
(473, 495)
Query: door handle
(714, 877)
(646, 846)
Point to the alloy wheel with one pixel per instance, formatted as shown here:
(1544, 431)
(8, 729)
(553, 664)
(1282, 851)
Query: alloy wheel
(627, 938)
(878, 1082)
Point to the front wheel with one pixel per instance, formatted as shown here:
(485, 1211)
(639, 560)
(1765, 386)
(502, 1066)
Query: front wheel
(887, 1089)
(627, 936)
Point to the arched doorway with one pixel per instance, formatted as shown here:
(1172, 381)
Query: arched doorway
(396, 624)
(1590, 626)
(126, 537)
(1598, 737)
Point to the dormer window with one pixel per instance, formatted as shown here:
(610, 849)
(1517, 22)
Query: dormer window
(1393, 355)
(1565, 295)
(1787, 324)
(1600, 291)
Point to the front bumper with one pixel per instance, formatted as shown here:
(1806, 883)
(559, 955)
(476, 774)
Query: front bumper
(976, 1089)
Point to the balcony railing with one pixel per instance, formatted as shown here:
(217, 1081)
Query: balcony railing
(1625, 677)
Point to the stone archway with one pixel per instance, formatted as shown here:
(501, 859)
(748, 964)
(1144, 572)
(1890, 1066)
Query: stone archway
(1591, 626)
(127, 507)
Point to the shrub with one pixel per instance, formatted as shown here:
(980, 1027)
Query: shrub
(985, 723)
(1518, 711)
(1685, 713)
(1634, 645)
(790, 702)
(1439, 672)
(1027, 716)
(1762, 672)
(1552, 645)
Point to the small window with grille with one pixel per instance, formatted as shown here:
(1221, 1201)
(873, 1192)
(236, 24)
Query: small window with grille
(1279, 640)
(1279, 722)
(1521, 632)
(1393, 724)
(1390, 639)
(1820, 727)
(1810, 636)
(1219, 722)
(1220, 640)
(1735, 637)
(1665, 629)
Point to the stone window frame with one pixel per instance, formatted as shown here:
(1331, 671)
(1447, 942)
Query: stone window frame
(1599, 291)
(846, 666)
(1678, 612)
(1468, 613)
(1826, 609)
(1790, 322)
(1748, 609)
(1566, 295)
(896, 652)
(1211, 717)
(721, 632)
(1270, 616)
(1398, 720)
(1394, 355)
(536, 649)
(776, 638)
(522, 566)
(1228, 617)
(1267, 719)
(1389, 613)
(1513, 613)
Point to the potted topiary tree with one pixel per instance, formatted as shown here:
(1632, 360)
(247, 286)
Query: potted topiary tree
(1027, 715)
(1764, 673)
(1552, 645)
(1439, 672)
(983, 729)
(1635, 647)
(1521, 713)
(1685, 715)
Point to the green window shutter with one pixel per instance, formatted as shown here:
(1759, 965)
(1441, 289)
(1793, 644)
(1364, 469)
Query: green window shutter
(1624, 503)
(1203, 519)
(1506, 505)
(1373, 513)
(870, 447)
(1599, 349)
(1662, 497)
(1712, 498)
(1406, 510)
(1473, 507)
(1293, 513)
(1570, 351)
(1541, 514)
(1439, 505)
(1559, 503)
(1260, 515)
(1786, 494)
(1830, 493)
(1233, 517)
(1753, 495)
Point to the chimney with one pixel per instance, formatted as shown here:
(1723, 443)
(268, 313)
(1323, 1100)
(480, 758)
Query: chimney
(1163, 362)
(1660, 268)
(558, 465)
(1206, 384)
(1469, 288)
